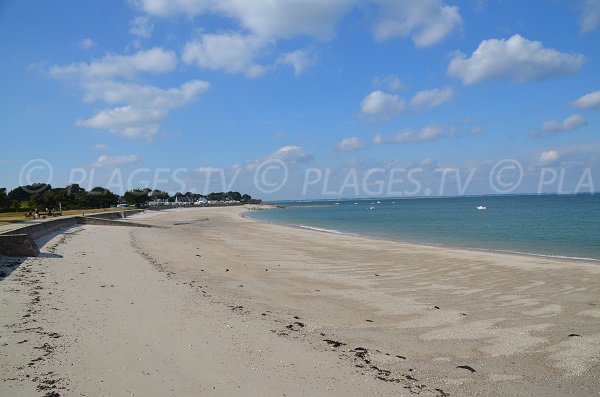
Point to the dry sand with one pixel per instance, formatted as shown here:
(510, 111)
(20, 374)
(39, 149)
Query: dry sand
(210, 303)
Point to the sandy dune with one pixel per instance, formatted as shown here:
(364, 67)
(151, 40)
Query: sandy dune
(210, 303)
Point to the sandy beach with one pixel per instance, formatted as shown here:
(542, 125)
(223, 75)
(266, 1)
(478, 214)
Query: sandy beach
(208, 302)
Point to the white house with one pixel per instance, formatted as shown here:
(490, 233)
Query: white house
(201, 201)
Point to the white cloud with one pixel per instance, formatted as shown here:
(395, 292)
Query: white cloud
(390, 82)
(86, 43)
(426, 22)
(428, 133)
(144, 95)
(141, 107)
(300, 60)
(141, 27)
(588, 101)
(351, 144)
(118, 161)
(165, 8)
(266, 19)
(292, 155)
(287, 18)
(101, 147)
(590, 15)
(155, 60)
(432, 98)
(231, 52)
(379, 105)
(146, 106)
(378, 139)
(288, 154)
(516, 59)
(549, 156)
(571, 123)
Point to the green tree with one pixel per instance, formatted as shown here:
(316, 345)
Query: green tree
(137, 196)
(3, 199)
(100, 197)
(159, 195)
(24, 193)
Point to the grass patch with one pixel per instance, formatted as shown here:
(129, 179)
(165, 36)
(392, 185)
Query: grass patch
(11, 217)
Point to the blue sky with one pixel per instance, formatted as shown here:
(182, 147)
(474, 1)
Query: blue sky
(336, 97)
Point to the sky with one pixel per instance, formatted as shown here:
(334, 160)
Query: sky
(296, 99)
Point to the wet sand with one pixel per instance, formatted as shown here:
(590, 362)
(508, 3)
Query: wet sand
(212, 303)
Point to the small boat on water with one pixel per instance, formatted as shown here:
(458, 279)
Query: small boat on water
(481, 208)
(379, 202)
(371, 208)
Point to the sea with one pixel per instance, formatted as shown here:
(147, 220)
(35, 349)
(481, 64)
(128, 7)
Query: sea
(563, 226)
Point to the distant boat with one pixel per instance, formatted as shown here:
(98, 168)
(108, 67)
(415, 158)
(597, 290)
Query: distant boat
(337, 203)
(355, 203)
(379, 202)
(371, 208)
(481, 207)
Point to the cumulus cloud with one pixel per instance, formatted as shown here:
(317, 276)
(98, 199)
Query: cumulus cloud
(166, 8)
(516, 59)
(86, 43)
(288, 154)
(351, 144)
(590, 15)
(588, 101)
(426, 22)
(432, 98)
(264, 18)
(300, 60)
(379, 105)
(155, 60)
(146, 106)
(231, 52)
(428, 133)
(390, 82)
(292, 155)
(118, 161)
(141, 107)
(141, 27)
(571, 123)
(144, 95)
(549, 156)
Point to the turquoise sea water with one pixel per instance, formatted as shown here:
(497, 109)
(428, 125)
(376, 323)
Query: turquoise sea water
(553, 225)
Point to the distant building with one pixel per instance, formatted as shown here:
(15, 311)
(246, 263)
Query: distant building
(183, 200)
(201, 201)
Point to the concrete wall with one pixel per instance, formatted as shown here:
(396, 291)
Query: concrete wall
(12, 243)
(18, 245)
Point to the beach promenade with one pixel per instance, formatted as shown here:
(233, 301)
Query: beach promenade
(212, 303)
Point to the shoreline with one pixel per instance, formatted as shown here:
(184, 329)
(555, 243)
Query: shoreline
(212, 301)
(425, 244)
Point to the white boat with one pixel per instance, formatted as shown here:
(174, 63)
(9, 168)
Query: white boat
(379, 202)
(481, 208)
(371, 208)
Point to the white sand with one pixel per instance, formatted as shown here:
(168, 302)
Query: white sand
(154, 312)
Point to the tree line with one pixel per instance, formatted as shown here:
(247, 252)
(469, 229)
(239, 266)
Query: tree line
(73, 197)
